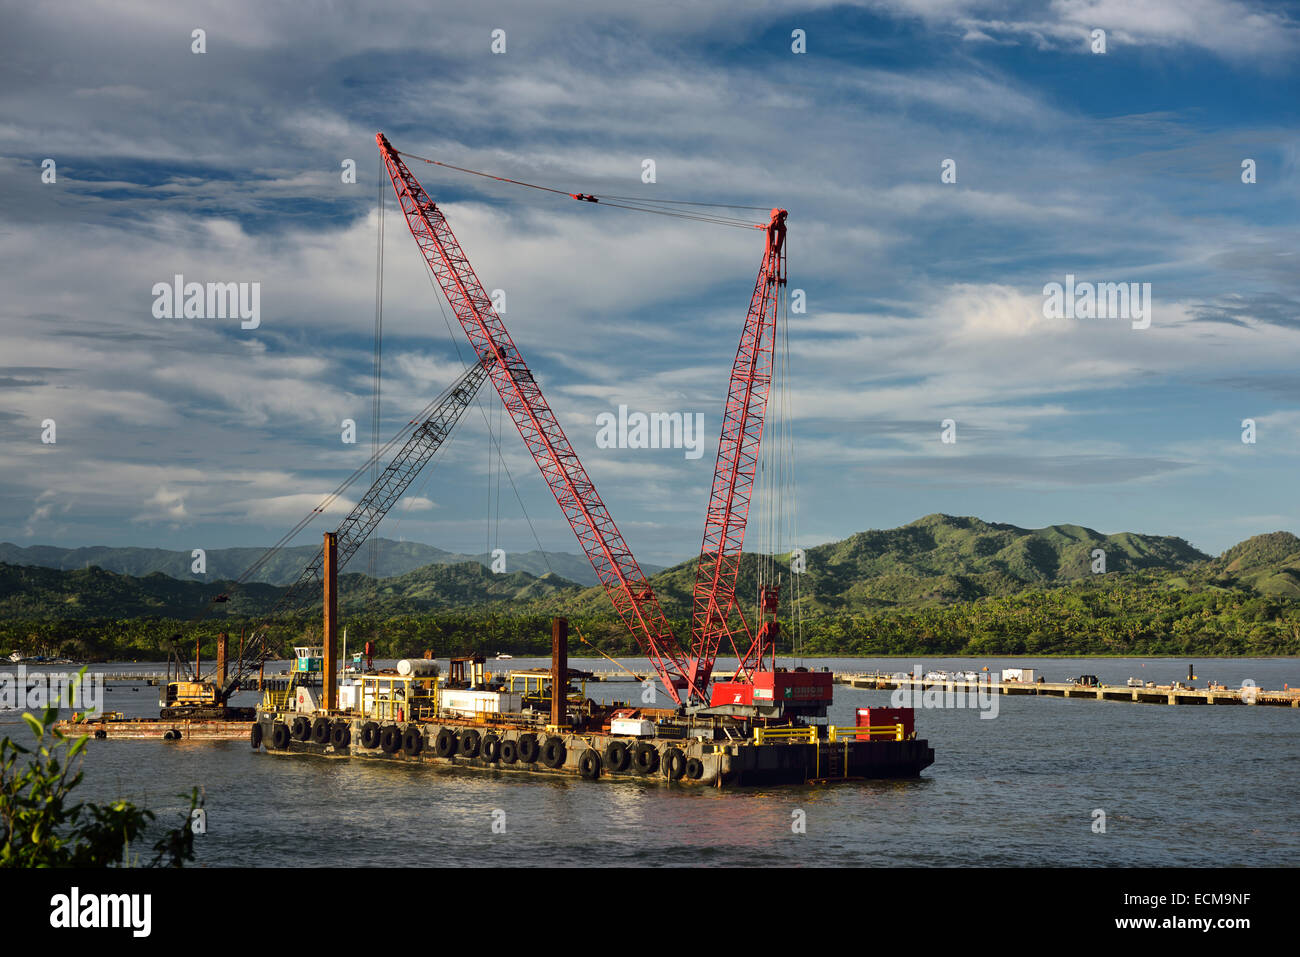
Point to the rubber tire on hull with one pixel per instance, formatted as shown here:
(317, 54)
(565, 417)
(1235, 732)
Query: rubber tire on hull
(101, 734)
(280, 736)
(528, 748)
(301, 728)
(255, 735)
(491, 748)
(172, 735)
(694, 768)
(509, 751)
(645, 758)
(412, 740)
(340, 735)
(370, 735)
(320, 731)
(445, 744)
(469, 743)
(617, 756)
(554, 752)
(674, 764)
(589, 764)
(390, 739)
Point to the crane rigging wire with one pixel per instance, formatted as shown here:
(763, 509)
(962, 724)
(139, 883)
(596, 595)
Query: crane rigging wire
(376, 405)
(493, 439)
(637, 203)
(787, 412)
(775, 486)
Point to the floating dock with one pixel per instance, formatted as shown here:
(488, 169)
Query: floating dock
(158, 729)
(1159, 694)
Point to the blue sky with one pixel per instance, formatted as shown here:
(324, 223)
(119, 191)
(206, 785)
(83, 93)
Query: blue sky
(925, 299)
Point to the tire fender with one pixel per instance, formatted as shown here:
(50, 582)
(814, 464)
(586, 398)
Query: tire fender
(528, 748)
(445, 744)
(320, 731)
(618, 756)
(554, 752)
(280, 736)
(412, 740)
(674, 764)
(645, 758)
(390, 739)
(470, 740)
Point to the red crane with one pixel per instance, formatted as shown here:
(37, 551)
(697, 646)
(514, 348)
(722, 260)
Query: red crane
(733, 480)
(574, 491)
(755, 688)
(618, 571)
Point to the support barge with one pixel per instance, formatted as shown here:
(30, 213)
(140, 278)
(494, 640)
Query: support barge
(541, 722)
(599, 755)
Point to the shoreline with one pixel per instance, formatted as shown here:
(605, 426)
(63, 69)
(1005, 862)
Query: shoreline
(821, 657)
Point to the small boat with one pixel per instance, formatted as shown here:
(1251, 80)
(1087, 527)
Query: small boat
(501, 657)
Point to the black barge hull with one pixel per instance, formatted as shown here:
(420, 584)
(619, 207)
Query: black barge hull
(596, 756)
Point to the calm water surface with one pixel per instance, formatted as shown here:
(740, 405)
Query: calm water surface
(1179, 786)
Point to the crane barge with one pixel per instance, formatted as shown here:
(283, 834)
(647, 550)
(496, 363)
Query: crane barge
(759, 726)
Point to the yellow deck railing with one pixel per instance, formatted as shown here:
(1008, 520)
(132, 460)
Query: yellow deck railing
(276, 700)
(808, 735)
(854, 731)
(801, 735)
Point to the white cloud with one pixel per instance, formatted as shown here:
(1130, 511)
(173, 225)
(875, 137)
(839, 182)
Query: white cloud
(923, 297)
(164, 504)
(1229, 28)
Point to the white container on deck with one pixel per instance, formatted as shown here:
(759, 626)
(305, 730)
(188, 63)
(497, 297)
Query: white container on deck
(632, 727)
(470, 703)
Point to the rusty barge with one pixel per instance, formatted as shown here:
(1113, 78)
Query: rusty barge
(542, 722)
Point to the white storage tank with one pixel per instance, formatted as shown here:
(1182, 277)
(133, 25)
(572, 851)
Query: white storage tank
(419, 667)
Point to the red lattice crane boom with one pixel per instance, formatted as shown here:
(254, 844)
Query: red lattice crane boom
(617, 569)
(733, 480)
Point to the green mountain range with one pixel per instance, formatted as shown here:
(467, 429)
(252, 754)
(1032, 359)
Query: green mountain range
(32, 593)
(937, 560)
(1270, 564)
(392, 558)
(940, 585)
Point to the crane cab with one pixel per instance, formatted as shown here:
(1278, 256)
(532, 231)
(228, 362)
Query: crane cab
(798, 692)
